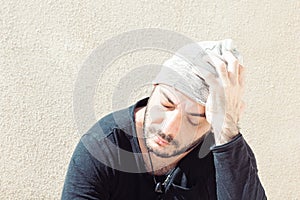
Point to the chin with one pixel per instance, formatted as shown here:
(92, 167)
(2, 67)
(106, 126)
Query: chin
(156, 149)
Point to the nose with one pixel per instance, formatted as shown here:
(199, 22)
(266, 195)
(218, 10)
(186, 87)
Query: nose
(171, 123)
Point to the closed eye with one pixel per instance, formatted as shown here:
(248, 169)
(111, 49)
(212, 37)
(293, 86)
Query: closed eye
(167, 105)
(192, 123)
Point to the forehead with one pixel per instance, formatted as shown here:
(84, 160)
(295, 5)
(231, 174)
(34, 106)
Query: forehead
(162, 90)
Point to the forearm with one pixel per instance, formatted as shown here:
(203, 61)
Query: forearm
(236, 171)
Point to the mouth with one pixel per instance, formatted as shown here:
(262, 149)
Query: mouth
(160, 141)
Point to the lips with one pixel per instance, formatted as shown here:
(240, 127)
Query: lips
(160, 141)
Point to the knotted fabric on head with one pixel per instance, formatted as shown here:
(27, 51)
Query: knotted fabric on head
(184, 70)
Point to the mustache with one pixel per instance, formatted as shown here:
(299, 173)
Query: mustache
(164, 136)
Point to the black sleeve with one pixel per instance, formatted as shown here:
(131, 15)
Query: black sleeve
(86, 177)
(236, 171)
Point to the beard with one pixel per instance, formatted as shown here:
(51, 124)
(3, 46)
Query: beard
(174, 147)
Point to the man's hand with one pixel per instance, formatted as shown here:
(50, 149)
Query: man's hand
(224, 104)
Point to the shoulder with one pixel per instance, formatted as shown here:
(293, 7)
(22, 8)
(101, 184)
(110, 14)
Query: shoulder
(112, 140)
(121, 119)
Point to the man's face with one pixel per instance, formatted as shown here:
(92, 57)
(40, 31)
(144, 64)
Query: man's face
(173, 122)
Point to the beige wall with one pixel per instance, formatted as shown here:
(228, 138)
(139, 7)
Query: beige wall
(44, 43)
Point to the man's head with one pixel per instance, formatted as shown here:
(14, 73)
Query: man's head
(188, 69)
(175, 114)
(173, 122)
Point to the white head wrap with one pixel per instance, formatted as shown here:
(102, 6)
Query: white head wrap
(184, 70)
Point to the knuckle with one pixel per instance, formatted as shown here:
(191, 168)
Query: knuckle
(235, 62)
(223, 68)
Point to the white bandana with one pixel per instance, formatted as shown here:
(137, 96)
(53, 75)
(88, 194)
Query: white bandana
(183, 70)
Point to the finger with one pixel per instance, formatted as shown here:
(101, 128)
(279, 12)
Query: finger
(232, 67)
(211, 106)
(208, 109)
(212, 102)
(242, 73)
(214, 83)
(220, 68)
(242, 107)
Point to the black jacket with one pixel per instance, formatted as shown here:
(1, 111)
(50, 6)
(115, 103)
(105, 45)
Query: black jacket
(107, 164)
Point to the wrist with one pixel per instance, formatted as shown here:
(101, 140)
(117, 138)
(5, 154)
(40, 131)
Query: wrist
(226, 134)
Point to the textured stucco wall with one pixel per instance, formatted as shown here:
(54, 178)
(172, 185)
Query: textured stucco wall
(44, 43)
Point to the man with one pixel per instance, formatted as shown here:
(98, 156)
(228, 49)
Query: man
(160, 148)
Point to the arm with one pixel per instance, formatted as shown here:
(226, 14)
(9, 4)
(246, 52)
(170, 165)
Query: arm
(236, 171)
(85, 178)
(235, 165)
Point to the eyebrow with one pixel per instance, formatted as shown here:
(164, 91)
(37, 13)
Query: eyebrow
(189, 113)
(197, 114)
(166, 96)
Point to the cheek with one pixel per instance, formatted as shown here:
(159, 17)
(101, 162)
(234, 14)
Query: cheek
(199, 131)
(156, 115)
(203, 128)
